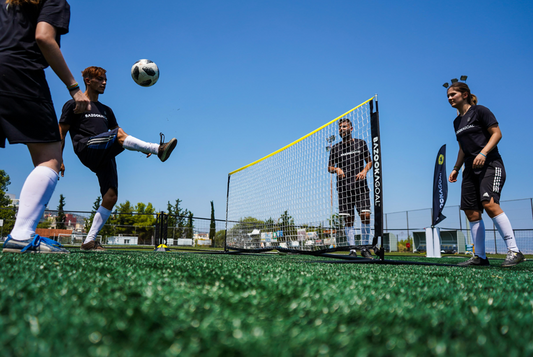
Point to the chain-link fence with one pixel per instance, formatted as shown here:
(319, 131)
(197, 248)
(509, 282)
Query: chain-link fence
(127, 229)
(406, 226)
(404, 231)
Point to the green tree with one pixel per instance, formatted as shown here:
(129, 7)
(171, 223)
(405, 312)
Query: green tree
(5, 201)
(7, 211)
(212, 225)
(219, 238)
(124, 220)
(177, 220)
(144, 222)
(61, 218)
(190, 225)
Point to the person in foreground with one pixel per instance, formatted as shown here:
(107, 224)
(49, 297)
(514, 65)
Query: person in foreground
(347, 160)
(97, 140)
(478, 134)
(29, 42)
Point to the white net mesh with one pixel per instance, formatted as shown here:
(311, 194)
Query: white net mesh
(298, 198)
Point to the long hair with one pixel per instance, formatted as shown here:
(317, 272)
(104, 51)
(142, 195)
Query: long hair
(21, 2)
(463, 88)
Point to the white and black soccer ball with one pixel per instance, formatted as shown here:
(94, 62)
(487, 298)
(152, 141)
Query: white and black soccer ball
(145, 73)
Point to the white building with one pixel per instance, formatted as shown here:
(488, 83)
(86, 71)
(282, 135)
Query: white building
(122, 240)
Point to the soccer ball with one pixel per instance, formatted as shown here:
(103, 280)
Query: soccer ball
(145, 73)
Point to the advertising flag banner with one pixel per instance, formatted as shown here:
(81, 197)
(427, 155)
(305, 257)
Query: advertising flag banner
(440, 187)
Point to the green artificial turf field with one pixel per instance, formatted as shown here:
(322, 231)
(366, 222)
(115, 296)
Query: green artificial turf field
(170, 304)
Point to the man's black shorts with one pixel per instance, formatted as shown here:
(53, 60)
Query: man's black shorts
(482, 185)
(353, 196)
(99, 156)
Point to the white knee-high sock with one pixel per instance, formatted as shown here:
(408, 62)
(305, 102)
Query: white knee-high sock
(365, 234)
(134, 144)
(350, 235)
(101, 216)
(36, 192)
(478, 235)
(503, 225)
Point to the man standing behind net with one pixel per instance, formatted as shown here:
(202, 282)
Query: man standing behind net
(97, 139)
(347, 160)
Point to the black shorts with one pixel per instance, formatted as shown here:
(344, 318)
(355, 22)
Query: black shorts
(24, 121)
(99, 156)
(482, 185)
(353, 196)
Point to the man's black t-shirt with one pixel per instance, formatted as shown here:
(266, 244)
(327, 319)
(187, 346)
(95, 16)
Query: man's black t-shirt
(21, 60)
(472, 134)
(83, 126)
(350, 158)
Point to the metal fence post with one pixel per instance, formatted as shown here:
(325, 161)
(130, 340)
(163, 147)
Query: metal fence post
(407, 218)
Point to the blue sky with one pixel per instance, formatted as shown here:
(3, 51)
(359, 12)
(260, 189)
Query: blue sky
(241, 79)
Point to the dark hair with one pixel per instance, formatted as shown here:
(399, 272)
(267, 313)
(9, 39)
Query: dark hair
(20, 2)
(463, 88)
(345, 120)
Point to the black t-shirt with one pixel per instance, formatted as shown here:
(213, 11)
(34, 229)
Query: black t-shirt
(21, 60)
(86, 125)
(350, 158)
(472, 134)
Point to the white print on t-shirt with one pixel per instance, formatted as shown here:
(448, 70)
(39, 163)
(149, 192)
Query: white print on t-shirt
(463, 129)
(351, 152)
(93, 115)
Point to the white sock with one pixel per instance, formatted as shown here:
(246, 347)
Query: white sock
(99, 220)
(135, 144)
(350, 235)
(36, 192)
(365, 233)
(503, 225)
(478, 236)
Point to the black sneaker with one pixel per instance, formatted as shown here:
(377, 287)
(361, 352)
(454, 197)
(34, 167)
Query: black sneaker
(476, 261)
(93, 245)
(353, 253)
(513, 259)
(165, 149)
(366, 254)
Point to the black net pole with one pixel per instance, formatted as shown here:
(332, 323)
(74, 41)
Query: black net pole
(227, 205)
(378, 176)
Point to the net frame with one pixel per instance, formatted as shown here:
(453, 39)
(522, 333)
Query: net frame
(250, 229)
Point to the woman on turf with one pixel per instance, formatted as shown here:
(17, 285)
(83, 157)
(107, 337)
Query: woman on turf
(478, 134)
(29, 42)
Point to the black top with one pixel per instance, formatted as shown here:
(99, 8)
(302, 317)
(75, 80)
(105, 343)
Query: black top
(472, 134)
(86, 125)
(20, 56)
(350, 158)
(17, 34)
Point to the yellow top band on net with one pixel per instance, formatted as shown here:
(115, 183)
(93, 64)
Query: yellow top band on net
(302, 138)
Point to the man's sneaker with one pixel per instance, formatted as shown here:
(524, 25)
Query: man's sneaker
(353, 253)
(36, 244)
(366, 254)
(93, 245)
(513, 259)
(475, 261)
(165, 149)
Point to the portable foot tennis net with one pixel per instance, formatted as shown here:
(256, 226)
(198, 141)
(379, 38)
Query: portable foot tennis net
(312, 195)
